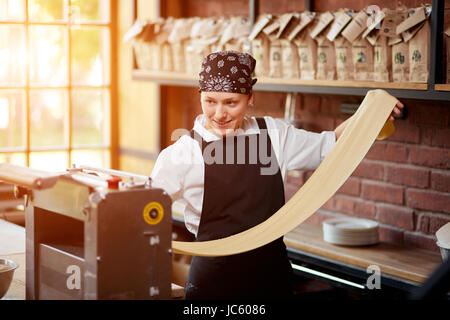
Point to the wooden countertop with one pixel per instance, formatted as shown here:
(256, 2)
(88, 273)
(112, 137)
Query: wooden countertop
(402, 262)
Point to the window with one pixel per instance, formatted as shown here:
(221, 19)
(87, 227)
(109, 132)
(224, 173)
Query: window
(55, 83)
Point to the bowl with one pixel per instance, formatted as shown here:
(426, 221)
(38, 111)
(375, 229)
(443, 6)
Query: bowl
(445, 252)
(7, 268)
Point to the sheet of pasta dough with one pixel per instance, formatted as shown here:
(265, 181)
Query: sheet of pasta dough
(334, 170)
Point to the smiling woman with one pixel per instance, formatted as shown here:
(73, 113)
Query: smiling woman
(55, 82)
(224, 111)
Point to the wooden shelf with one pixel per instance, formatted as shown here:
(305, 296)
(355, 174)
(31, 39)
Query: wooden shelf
(348, 84)
(176, 76)
(407, 90)
(442, 87)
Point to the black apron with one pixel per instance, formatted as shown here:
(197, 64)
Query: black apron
(236, 198)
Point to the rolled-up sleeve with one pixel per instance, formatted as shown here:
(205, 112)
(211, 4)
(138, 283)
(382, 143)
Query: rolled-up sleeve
(171, 167)
(164, 176)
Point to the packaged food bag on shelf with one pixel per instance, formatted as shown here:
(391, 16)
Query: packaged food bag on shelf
(356, 27)
(235, 35)
(271, 30)
(217, 31)
(142, 38)
(393, 17)
(326, 61)
(342, 47)
(306, 46)
(399, 48)
(341, 18)
(419, 55)
(178, 39)
(261, 45)
(362, 50)
(162, 39)
(362, 56)
(412, 22)
(382, 51)
(154, 46)
(289, 54)
(415, 31)
(372, 32)
(203, 37)
(382, 68)
(447, 43)
(320, 23)
(400, 62)
(344, 62)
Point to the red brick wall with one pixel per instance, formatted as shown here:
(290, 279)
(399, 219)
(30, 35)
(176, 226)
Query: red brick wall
(403, 182)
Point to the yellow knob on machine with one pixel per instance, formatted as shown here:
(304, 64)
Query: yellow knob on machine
(153, 213)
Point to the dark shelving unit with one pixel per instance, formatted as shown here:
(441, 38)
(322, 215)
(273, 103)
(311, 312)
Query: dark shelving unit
(433, 90)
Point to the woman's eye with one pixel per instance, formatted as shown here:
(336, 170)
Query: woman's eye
(231, 102)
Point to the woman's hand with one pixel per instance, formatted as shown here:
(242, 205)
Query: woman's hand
(396, 110)
(339, 129)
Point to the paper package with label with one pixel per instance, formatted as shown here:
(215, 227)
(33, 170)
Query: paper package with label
(362, 50)
(142, 37)
(178, 39)
(162, 32)
(289, 54)
(398, 47)
(382, 51)
(326, 59)
(235, 34)
(271, 31)
(382, 60)
(261, 45)
(415, 30)
(205, 33)
(362, 56)
(342, 47)
(344, 62)
(306, 46)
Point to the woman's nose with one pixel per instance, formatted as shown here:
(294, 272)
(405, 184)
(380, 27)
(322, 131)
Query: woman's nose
(220, 112)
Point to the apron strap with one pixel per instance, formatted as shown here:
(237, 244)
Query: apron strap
(261, 123)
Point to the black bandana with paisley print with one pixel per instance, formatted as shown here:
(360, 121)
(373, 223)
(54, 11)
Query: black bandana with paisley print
(227, 71)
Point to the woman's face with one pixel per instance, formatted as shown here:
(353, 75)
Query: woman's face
(224, 111)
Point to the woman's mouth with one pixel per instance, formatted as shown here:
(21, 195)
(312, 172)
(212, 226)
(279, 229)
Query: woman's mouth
(222, 124)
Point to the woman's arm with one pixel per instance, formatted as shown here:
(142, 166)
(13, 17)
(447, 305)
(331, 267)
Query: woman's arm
(340, 128)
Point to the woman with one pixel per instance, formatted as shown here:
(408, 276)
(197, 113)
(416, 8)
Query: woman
(229, 172)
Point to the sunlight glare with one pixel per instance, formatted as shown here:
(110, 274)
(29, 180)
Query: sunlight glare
(4, 113)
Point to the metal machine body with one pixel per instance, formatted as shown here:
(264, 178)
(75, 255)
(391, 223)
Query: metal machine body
(91, 237)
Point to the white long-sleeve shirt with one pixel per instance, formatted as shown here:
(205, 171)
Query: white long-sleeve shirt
(179, 169)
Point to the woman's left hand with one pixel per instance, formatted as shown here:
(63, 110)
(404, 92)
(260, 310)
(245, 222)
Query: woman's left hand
(396, 110)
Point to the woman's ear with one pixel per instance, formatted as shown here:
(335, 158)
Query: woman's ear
(251, 100)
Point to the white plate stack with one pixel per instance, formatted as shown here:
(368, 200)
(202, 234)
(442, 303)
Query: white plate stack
(350, 231)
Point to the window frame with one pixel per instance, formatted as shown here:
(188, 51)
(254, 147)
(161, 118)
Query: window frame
(111, 146)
